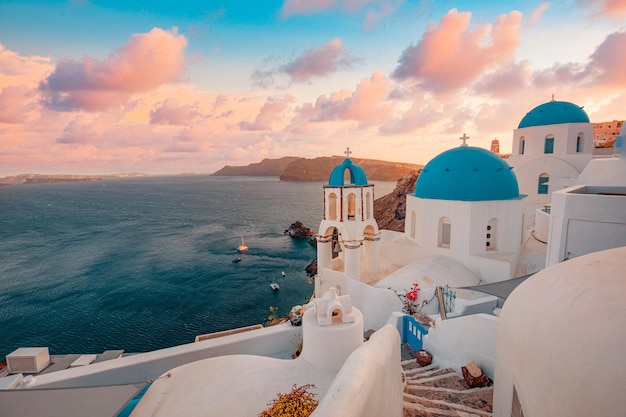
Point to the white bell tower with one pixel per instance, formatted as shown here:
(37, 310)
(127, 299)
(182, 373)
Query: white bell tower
(348, 235)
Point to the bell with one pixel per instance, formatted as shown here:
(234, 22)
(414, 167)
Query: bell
(337, 248)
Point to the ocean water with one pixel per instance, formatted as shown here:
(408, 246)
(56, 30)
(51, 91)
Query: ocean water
(146, 263)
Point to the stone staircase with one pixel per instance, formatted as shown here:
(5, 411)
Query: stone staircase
(434, 392)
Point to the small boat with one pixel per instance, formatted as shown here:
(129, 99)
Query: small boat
(275, 285)
(236, 260)
(242, 247)
(283, 273)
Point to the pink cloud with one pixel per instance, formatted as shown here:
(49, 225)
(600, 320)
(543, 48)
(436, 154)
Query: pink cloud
(12, 64)
(611, 9)
(188, 140)
(319, 62)
(15, 103)
(273, 110)
(366, 104)
(505, 81)
(170, 112)
(609, 60)
(295, 7)
(147, 61)
(452, 55)
(78, 132)
(606, 67)
(536, 14)
(374, 9)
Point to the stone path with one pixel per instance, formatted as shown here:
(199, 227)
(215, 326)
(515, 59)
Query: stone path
(434, 392)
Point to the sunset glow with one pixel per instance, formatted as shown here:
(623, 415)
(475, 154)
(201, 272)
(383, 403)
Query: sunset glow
(99, 87)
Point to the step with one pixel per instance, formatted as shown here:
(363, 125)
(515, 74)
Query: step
(431, 391)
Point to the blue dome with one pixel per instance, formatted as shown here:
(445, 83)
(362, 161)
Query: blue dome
(467, 173)
(357, 175)
(553, 113)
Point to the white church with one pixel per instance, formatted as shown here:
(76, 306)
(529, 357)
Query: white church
(553, 346)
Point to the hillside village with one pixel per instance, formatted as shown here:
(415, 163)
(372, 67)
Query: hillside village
(451, 278)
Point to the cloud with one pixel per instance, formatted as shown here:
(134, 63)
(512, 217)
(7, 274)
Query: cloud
(16, 102)
(452, 55)
(536, 14)
(506, 80)
(147, 61)
(614, 10)
(319, 62)
(298, 7)
(605, 68)
(608, 62)
(170, 112)
(273, 109)
(189, 140)
(366, 104)
(374, 10)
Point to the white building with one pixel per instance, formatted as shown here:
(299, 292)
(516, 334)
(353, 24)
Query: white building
(556, 348)
(467, 206)
(551, 146)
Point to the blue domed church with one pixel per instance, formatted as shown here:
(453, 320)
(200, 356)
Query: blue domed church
(551, 146)
(467, 206)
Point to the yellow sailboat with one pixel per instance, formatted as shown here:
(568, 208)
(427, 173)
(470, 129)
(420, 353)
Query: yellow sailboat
(242, 247)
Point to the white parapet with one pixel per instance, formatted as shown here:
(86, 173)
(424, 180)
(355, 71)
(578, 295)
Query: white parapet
(327, 347)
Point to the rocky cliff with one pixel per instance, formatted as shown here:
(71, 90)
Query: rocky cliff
(266, 168)
(318, 169)
(390, 210)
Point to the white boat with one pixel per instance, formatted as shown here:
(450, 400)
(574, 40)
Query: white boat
(283, 273)
(242, 247)
(275, 285)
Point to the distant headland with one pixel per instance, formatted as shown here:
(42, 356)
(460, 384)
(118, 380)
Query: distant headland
(55, 178)
(291, 168)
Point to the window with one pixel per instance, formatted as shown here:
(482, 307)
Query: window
(580, 142)
(549, 145)
(368, 201)
(445, 232)
(543, 184)
(522, 145)
(351, 206)
(490, 235)
(332, 206)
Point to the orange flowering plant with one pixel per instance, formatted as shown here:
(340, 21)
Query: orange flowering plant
(409, 299)
(297, 403)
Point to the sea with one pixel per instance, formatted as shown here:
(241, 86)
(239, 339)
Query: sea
(146, 263)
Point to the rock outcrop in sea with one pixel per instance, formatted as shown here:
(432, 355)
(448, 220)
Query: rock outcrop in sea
(299, 231)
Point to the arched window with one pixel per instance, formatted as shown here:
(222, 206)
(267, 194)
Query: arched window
(542, 187)
(522, 145)
(368, 201)
(579, 143)
(332, 206)
(351, 206)
(445, 232)
(490, 234)
(548, 146)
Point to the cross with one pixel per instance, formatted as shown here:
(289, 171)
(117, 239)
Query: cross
(348, 152)
(464, 138)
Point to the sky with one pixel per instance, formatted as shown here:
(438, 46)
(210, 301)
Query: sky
(164, 87)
